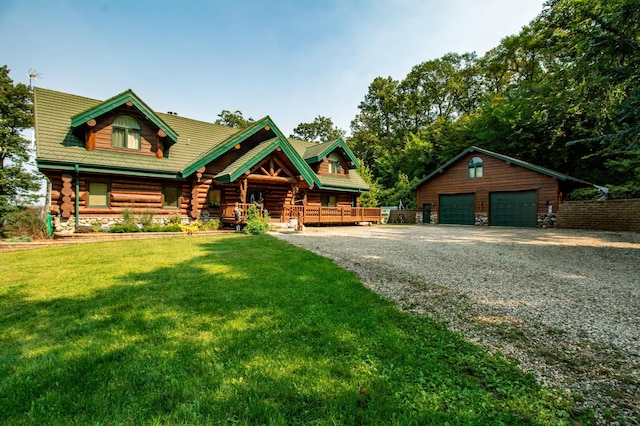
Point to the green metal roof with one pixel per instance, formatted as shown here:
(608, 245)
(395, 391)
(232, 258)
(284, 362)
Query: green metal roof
(507, 159)
(119, 100)
(198, 143)
(248, 160)
(318, 151)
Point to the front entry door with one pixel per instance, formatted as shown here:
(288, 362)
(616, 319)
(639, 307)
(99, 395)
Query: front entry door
(254, 196)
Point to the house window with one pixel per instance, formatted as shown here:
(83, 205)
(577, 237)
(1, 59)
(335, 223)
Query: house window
(335, 164)
(214, 198)
(328, 200)
(475, 168)
(98, 194)
(125, 133)
(171, 196)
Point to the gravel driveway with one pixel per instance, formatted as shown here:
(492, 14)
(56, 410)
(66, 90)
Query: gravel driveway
(565, 304)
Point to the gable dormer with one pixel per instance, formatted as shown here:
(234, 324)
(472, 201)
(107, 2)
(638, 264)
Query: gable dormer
(126, 124)
(331, 158)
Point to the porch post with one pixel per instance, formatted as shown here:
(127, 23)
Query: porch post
(243, 191)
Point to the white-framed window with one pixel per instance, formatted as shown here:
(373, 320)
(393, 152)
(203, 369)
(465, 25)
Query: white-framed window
(335, 165)
(125, 133)
(475, 168)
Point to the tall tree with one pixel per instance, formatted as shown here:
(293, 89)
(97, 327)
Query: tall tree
(233, 119)
(17, 184)
(321, 129)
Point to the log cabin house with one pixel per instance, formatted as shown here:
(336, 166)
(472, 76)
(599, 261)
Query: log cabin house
(104, 157)
(480, 187)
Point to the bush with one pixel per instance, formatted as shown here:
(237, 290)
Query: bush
(26, 223)
(192, 228)
(616, 192)
(255, 223)
(128, 218)
(175, 219)
(584, 194)
(173, 227)
(146, 218)
(212, 225)
(162, 228)
(121, 228)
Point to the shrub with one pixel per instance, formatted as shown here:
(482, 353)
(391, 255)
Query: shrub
(616, 192)
(161, 228)
(171, 228)
(26, 223)
(212, 225)
(124, 227)
(146, 218)
(175, 219)
(128, 218)
(192, 228)
(255, 223)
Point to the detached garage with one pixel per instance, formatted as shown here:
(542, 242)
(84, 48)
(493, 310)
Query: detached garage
(480, 187)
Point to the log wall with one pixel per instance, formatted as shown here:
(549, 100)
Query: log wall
(148, 134)
(137, 196)
(322, 168)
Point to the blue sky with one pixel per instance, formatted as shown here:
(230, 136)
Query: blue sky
(292, 60)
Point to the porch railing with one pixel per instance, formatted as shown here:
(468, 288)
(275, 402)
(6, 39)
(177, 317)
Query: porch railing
(237, 213)
(319, 214)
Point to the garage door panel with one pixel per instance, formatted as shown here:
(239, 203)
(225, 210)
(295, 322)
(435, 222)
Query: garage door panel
(457, 209)
(517, 209)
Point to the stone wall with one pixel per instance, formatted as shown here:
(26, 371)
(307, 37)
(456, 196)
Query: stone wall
(102, 223)
(607, 215)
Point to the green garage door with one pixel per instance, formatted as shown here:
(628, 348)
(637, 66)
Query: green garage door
(513, 209)
(457, 209)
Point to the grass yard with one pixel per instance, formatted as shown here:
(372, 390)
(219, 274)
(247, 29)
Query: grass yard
(234, 329)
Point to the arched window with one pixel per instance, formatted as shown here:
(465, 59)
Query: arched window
(334, 164)
(475, 168)
(125, 133)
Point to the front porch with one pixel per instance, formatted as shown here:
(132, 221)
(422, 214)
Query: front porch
(236, 213)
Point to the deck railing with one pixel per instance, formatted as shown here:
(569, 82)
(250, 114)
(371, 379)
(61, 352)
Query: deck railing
(319, 214)
(237, 213)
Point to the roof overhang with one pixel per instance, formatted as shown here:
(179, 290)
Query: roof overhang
(507, 159)
(278, 141)
(124, 98)
(317, 153)
(95, 168)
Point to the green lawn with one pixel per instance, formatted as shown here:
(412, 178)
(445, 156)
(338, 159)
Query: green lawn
(234, 329)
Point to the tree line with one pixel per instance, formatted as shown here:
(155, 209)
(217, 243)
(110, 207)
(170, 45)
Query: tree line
(563, 94)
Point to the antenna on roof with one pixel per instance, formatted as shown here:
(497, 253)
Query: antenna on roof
(33, 76)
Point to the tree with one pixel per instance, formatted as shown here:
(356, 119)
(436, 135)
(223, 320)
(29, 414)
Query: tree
(16, 114)
(321, 129)
(234, 119)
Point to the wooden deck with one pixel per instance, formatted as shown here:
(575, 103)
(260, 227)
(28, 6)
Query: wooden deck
(307, 215)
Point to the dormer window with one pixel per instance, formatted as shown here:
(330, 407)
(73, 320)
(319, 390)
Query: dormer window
(475, 168)
(125, 133)
(335, 164)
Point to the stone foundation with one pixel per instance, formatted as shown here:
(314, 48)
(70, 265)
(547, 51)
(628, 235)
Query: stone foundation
(482, 219)
(100, 223)
(546, 220)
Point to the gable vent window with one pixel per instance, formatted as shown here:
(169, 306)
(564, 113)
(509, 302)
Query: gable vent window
(475, 168)
(125, 133)
(334, 164)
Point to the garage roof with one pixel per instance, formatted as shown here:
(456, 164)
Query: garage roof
(508, 160)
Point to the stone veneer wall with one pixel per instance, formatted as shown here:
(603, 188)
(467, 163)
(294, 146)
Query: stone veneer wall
(64, 225)
(606, 215)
